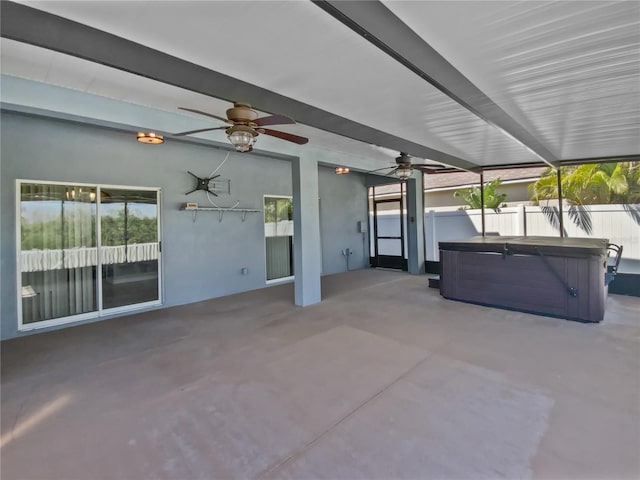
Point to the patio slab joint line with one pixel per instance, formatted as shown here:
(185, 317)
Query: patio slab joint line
(294, 456)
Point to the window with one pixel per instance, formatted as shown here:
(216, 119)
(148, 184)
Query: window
(129, 233)
(278, 231)
(84, 250)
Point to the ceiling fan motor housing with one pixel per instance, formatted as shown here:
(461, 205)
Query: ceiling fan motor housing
(242, 113)
(403, 159)
(246, 126)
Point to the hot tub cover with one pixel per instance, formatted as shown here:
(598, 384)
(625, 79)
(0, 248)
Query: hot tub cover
(551, 246)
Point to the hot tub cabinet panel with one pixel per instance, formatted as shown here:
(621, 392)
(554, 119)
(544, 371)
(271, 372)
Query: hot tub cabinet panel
(549, 276)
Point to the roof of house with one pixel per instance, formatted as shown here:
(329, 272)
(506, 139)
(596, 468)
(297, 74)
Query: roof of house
(459, 179)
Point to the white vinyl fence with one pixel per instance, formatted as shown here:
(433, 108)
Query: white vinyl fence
(617, 223)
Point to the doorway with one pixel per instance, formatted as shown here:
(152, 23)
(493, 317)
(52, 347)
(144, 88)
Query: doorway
(389, 231)
(85, 251)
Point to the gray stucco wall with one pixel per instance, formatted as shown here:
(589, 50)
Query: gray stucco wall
(343, 202)
(201, 259)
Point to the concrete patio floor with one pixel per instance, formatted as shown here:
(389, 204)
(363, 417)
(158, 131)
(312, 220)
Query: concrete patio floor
(384, 379)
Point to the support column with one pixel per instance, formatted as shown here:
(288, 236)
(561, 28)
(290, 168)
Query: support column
(560, 213)
(484, 230)
(415, 223)
(430, 234)
(307, 253)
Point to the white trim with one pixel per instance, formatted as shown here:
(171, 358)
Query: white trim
(18, 233)
(82, 184)
(159, 238)
(129, 308)
(276, 281)
(25, 327)
(73, 319)
(290, 197)
(99, 312)
(99, 250)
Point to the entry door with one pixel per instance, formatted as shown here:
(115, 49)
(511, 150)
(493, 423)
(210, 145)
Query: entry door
(388, 230)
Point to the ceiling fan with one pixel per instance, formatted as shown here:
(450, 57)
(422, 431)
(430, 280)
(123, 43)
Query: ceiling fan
(403, 167)
(244, 126)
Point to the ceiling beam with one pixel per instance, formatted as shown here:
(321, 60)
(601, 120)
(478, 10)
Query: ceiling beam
(377, 24)
(611, 159)
(563, 163)
(36, 27)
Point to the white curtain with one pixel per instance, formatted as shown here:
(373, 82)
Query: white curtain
(38, 260)
(56, 259)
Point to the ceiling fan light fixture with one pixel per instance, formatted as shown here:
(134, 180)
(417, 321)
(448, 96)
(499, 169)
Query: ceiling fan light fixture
(403, 173)
(342, 170)
(246, 126)
(242, 137)
(150, 138)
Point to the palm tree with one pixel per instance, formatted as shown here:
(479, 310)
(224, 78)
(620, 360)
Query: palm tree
(590, 184)
(492, 199)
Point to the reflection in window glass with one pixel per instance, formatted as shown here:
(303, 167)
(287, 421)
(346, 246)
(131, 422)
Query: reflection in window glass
(58, 255)
(61, 259)
(278, 228)
(129, 254)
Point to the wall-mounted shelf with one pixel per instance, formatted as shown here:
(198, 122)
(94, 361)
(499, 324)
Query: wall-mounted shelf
(221, 211)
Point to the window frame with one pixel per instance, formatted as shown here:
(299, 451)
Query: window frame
(99, 312)
(273, 281)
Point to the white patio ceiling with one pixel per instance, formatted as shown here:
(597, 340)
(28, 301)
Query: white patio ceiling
(544, 80)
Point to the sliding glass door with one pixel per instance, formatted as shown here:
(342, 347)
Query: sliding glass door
(129, 247)
(57, 251)
(84, 250)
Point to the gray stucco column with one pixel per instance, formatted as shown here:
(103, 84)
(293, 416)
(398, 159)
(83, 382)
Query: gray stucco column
(307, 253)
(415, 223)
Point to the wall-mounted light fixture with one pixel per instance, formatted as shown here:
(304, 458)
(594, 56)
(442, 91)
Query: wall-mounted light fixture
(150, 138)
(342, 170)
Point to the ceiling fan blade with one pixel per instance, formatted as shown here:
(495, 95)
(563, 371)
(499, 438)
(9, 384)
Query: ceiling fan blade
(428, 169)
(181, 134)
(285, 136)
(428, 166)
(200, 112)
(380, 169)
(274, 120)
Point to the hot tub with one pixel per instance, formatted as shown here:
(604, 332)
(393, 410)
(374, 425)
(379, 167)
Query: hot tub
(559, 277)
